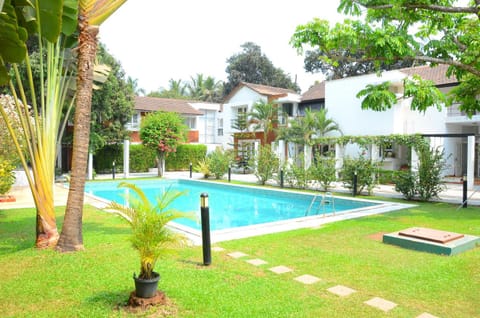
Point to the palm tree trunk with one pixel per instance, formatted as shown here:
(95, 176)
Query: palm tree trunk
(71, 238)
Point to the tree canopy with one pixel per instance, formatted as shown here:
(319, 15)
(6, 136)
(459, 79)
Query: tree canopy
(252, 66)
(162, 131)
(427, 31)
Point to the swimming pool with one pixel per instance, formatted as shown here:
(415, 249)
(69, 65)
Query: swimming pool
(233, 206)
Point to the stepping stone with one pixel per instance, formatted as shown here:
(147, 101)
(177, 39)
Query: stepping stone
(341, 291)
(380, 303)
(218, 249)
(237, 254)
(307, 279)
(281, 269)
(256, 262)
(426, 315)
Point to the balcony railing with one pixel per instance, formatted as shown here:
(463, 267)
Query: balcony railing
(454, 111)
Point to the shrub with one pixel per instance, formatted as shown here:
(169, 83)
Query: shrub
(430, 174)
(323, 171)
(185, 154)
(296, 175)
(366, 171)
(104, 157)
(405, 183)
(219, 161)
(203, 167)
(265, 163)
(427, 182)
(7, 176)
(141, 158)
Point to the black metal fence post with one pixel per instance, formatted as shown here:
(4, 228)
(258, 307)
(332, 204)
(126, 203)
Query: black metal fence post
(113, 169)
(464, 201)
(191, 170)
(229, 173)
(355, 184)
(205, 218)
(281, 178)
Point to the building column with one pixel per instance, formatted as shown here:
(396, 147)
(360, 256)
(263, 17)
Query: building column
(339, 154)
(307, 156)
(281, 152)
(126, 158)
(90, 166)
(470, 162)
(374, 152)
(414, 160)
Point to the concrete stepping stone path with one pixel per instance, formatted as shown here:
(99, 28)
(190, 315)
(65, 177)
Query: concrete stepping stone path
(237, 254)
(380, 303)
(256, 262)
(341, 291)
(307, 279)
(281, 269)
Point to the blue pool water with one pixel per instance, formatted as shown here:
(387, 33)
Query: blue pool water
(230, 206)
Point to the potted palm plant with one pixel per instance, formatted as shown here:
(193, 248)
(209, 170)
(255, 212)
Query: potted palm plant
(150, 235)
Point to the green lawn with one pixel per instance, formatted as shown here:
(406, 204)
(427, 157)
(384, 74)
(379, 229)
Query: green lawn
(97, 282)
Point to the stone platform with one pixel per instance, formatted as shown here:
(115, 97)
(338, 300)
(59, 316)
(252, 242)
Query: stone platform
(432, 241)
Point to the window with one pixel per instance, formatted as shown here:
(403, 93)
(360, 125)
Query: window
(288, 109)
(191, 122)
(220, 127)
(134, 123)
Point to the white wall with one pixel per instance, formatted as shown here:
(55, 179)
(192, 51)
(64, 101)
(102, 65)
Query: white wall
(244, 97)
(345, 108)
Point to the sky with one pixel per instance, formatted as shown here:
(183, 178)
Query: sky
(156, 41)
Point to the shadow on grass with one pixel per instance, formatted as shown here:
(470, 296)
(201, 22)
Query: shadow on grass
(17, 229)
(110, 299)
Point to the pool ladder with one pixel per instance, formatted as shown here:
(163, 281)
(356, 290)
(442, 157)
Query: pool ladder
(322, 200)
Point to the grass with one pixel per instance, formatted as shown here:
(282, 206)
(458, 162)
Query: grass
(97, 281)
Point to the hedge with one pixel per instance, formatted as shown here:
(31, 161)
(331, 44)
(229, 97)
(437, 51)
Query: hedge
(103, 159)
(185, 154)
(141, 158)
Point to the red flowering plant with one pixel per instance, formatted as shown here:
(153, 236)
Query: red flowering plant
(162, 131)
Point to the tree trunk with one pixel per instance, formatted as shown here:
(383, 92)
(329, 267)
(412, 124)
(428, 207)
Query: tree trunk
(160, 163)
(71, 238)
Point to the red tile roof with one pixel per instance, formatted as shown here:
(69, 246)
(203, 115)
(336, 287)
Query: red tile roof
(436, 74)
(151, 104)
(315, 92)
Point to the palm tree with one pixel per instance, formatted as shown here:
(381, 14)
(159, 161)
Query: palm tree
(92, 13)
(208, 90)
(304, 130)
(264, 115)
(324, 125)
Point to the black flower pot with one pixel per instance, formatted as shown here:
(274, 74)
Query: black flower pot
(146, 288)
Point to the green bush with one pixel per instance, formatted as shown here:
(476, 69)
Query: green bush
(185, 154)
(323, 170)
(296, 175)
(103, 159)
(265, 163)
(203, 167)
(366, 171)
(387, 176)
(427, 182)
(7, 176)
(141, 158)
(405, 183)
(219, 161)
